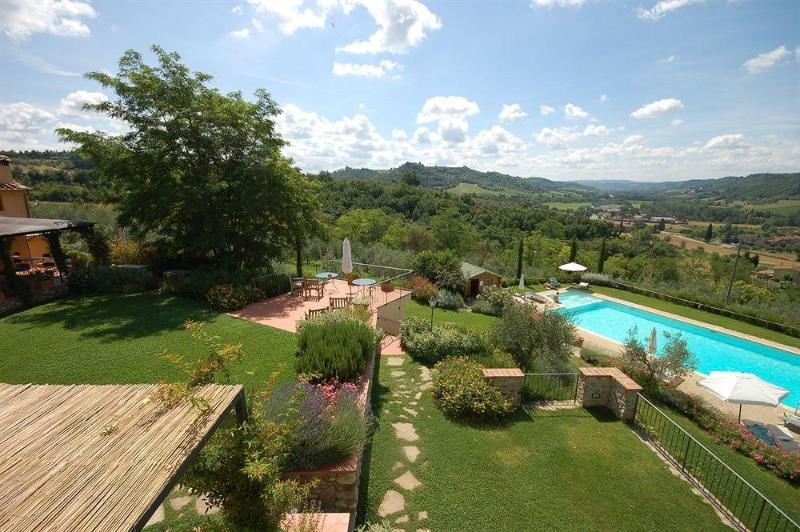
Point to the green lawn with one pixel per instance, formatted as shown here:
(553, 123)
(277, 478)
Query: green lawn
(568, 206)
(564, 470)
(472, 188)
(116, 339)
(468, 320)
(700, 315)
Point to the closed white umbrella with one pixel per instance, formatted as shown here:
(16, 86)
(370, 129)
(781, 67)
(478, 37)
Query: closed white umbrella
(347, 259)
(522, 280)
(653, 345)
(743, 389)
(572, 267)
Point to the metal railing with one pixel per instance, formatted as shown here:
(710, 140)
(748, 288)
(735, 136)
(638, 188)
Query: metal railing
(382, 274)
(549, 386)
(743, 504)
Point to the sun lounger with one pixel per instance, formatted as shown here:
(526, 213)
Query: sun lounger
(584, 285)
(783, 440)
(761, 432)
(792, 422)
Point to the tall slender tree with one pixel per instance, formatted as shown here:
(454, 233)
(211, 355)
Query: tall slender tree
(573, 250)
(709, 233)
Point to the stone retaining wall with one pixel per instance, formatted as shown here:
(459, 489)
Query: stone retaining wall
(608, 387)
(337, 484)
(508, 380)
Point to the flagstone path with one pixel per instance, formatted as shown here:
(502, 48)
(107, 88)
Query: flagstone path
(406, 383)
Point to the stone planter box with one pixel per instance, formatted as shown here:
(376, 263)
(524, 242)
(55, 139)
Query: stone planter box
(337, 484)
(578, 342)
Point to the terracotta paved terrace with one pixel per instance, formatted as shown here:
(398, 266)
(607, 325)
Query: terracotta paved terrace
(284, 311)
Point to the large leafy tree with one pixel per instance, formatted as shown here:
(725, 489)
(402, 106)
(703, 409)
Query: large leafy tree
(200, 170)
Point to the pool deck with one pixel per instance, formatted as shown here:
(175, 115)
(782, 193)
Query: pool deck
(764, 414)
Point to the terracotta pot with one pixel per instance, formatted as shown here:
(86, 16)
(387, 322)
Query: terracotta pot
(387, 287)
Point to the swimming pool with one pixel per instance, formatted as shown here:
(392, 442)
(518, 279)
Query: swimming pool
(715, 351)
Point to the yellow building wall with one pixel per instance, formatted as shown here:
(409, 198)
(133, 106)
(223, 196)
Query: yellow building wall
(14, 204)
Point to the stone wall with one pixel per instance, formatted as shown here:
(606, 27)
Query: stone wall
(337, 484)
(608, 387)
(508, 380)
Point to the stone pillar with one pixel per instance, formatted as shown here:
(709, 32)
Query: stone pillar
(508, 380)
(608, 387)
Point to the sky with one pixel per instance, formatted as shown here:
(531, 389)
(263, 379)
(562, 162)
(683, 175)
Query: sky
(646, 90)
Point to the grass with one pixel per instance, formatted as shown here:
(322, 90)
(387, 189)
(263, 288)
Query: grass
(472, 188)
(116, 339)
(564, 470)
(785, 495)
(700, 315)
(468, 320)
(568, 206)
(784, 206)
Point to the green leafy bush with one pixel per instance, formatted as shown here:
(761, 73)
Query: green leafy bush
(482, 307)
(96, 278)
(429, 345)
(449, 300)
(460, 390)
(496, 297)
(595, 358)
(443, 268)
(538, 341)
(335, 345)
(131, 252)
(78, 258)
(227, 297)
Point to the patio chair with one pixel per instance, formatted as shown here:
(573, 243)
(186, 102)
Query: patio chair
(313, 286)
(783, 440)
(314, 312)
(792, 422)
(552, 283)
(339, 303)
(297, 285)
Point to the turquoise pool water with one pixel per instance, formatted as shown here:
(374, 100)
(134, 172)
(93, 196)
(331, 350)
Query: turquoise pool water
(714, 351)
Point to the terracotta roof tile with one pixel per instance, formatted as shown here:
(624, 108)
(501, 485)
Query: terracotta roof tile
(13, 186)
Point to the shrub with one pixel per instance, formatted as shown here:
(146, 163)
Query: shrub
(335, 345)
(449, 300)
(496, 297)
(96, 278)
(482, 307)
(131, 252)
(78, 258)
(595, 358)
(460, 390)
(675, 360)
(422, 290)
(443, 268)
(327, 422)
(428, 345)
(538, 341)
(227, 297)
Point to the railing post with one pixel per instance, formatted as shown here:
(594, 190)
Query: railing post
(686, 454)
(760, 513)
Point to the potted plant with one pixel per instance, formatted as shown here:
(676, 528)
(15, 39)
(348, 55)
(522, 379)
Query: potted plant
(387, 286)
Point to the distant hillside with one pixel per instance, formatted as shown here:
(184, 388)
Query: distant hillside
(446, 177)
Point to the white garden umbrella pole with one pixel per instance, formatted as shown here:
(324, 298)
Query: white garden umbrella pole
(743, 389)
(347, 261)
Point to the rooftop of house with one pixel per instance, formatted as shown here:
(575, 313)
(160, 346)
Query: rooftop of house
(471, 270)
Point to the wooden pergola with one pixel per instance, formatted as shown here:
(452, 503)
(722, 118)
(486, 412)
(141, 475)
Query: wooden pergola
(97, 457)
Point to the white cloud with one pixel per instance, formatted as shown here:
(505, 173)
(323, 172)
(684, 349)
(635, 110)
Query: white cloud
(658, 108)
(243, 33)
(20, 19)
(557, 3)
(767, 60)
(292, 15)
(573, 111)
(669, 59)
(560, 137)
(662, 8)
(72, 104)
(402, 24)
(24, 117)
(440, 108)
(546, 110)
(603, 98)
(365, 70)
(727, 142)
(237, 10)
(676, 122)
(257, 24)
(511, 112)
(399, 134)
(797, 53)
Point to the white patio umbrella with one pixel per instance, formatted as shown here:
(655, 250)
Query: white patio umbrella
(652, 346)
(522, 280)
(743, 389)
(347, 259)
(572, 267)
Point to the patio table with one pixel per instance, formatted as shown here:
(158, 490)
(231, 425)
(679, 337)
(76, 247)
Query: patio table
(326, 276)
(365, 282)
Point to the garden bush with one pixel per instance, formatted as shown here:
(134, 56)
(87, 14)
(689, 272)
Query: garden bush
(442, 268)
(131, 252)
(422, 290)
(78, 258)
(228, 297)
(494, 299)
(429, 345)
(449, 300)
(95, 278)
(460, 390)
(327, 424)
(538, 341)
(482, 307)
(335, 345)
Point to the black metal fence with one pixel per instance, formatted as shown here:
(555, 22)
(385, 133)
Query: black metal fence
(550, 387)
(733, 495)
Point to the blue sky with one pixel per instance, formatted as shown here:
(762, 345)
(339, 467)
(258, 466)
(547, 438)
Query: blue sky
(564, 89)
